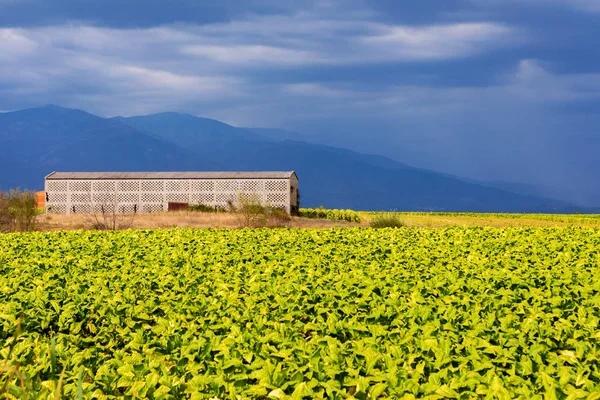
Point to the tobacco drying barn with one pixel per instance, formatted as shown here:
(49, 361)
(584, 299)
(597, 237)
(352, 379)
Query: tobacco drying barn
(132, 192)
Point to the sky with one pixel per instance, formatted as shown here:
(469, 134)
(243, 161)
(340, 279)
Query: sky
(486, 89)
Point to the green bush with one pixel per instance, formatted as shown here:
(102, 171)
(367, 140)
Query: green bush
(250, 211)
(387, 220)
(17, 211)
(337, 215)
(205, 208)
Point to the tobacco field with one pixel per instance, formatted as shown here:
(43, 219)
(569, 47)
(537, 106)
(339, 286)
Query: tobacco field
(301, 313)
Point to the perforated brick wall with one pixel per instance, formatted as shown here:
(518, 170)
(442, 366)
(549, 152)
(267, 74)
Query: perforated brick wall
(153, 195)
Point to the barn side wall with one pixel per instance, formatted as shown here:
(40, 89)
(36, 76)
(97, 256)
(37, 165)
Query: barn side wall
(153, 195)
(294, 192)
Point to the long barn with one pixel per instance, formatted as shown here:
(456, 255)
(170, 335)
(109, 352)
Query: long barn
(133, 192)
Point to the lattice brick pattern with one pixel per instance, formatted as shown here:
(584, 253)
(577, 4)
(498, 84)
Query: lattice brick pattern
(128, 186)
(276, 186)
(153, 186)
(152, 197)
(178, 197)
(128, 197)
(276, 199)
(80, 186)
(224, 197)
(202, 186)
(81, 197)
(177, 186)
(226, 186)
(104, 198)
(202, 198)
(251, 186)
(56, 186)
(104, 186)
(55, 197)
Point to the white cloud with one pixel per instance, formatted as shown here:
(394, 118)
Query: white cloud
(252, 54)
(209, 64)
(438, 42)
(216, 62)
(14, 44)
(153, 78)
(307, 39)
(533, 82)
(315, 90)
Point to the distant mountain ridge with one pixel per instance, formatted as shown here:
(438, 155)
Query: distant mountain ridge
(40, 140)
(190, 130)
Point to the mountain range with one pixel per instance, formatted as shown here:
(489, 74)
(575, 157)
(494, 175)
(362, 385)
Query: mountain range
(37, 141)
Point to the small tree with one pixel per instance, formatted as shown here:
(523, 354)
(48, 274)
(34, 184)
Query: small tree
(252, 213)
(5, 218)
(250, 210)
(18, 212)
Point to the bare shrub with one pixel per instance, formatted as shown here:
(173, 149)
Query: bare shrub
(109, 216)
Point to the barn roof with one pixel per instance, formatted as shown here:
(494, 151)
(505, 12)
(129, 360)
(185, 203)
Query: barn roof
(172, 175)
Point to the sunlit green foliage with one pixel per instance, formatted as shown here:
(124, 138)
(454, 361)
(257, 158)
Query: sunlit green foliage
(593, 219)
(362, 313)
(339, 215)
(18, 211)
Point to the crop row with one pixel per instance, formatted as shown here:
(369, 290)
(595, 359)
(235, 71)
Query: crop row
(404, 313)
(338, 215)
(566, 218)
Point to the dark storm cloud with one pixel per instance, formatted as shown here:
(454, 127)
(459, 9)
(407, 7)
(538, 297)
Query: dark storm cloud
(116, 13)
(471, 87)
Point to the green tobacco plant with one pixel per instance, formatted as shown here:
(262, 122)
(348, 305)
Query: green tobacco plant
(338, 215)
(301, 313)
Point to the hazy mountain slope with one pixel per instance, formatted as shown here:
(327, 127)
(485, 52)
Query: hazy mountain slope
(189, 131)
(14, 172)
(39, 141)
(335, 177)
(522, 188)
(278, 134)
